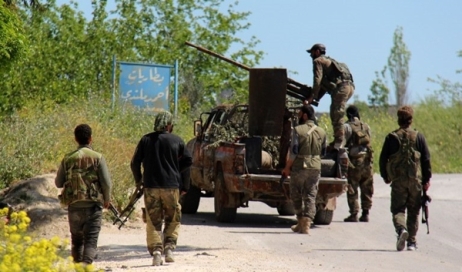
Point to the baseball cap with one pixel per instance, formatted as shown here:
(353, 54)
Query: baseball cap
(317, 46)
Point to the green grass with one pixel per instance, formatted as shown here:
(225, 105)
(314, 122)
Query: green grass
(34, 140)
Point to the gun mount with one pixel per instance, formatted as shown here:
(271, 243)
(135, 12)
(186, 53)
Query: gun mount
(295, 89)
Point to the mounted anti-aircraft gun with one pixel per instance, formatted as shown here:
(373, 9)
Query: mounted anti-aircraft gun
(295, 89)
(122, 217)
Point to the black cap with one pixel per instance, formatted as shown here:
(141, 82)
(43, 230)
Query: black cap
(319, 46)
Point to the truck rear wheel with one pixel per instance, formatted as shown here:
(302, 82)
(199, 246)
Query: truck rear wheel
(323, 217)
(286, 208)
(190, 201)
(222, 213)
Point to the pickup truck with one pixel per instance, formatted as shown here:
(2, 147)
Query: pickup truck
(235, 168)
(239, 151)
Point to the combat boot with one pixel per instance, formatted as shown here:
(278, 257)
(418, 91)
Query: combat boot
(156, 258)
(364, 216)
(296, 227)
(305, 224)
(352, 218)
(168, 255)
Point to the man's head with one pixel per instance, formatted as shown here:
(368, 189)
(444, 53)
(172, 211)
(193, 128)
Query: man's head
(82, 134)
(352, 112)
(405, 114)
(163, 122)
(305, 113)
(317, 50)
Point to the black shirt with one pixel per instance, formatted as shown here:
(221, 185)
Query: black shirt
(391, 146)
(163, 156)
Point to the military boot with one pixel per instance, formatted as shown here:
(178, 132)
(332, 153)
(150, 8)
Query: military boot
(352, 218)
(169, 255)
(364, 216)
(156, 258)
(296, 227)
(305, 224)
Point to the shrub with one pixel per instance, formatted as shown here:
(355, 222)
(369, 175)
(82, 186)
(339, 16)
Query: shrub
(20, 252)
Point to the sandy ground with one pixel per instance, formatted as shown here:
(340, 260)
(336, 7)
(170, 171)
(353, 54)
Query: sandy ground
(261, 240)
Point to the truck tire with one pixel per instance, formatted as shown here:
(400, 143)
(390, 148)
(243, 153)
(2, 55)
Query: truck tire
(323, 217)
(190, 201)
(328, 168)
(222, 214)
(286, 208)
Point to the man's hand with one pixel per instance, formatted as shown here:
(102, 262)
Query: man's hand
(286, 172)
(106, 204)
(426, 186)
(182, 193)
(386, 181)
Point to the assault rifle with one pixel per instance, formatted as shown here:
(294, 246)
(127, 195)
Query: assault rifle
(426, 199)
(122, 217)
(281, 183)
(294, 89)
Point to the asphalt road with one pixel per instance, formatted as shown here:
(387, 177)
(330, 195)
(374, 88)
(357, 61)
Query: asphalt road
(261, 240)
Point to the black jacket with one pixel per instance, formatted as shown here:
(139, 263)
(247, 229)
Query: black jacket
(164, 157)
(391, 146)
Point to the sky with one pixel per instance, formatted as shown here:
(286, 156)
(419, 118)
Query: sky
(358, 33)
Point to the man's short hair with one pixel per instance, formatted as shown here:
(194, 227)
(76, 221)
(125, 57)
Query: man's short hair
(82, 134)
(405, 114)
(352, 111)
(309, 110)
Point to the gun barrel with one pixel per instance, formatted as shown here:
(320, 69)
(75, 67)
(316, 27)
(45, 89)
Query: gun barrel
(200, 48)
(295, 88)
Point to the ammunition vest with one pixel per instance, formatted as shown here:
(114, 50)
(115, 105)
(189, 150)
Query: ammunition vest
(310, 145)
(82, 183)
(359, 135)
(405, 163)
(339, 74)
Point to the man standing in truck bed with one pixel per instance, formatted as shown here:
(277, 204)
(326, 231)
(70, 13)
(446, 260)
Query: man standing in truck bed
(334, 78)
(304, 166)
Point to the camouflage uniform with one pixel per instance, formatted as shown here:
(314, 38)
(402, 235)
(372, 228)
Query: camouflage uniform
(165, 161)
(162, 204)
(360, 174)
(341, 90)
(84, 205)
(307, 143)
(406, 187)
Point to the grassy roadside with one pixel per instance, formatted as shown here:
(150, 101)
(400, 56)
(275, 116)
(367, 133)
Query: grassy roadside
(34, 140)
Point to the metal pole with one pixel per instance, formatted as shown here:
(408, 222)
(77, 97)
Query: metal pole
(176, 89)
(113, 79)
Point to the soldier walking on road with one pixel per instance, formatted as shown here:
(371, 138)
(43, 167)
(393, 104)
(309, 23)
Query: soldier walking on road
(334, 78)
(86, 184)
(405, 164)
(304, 167)
(164, 157)
(360, 174)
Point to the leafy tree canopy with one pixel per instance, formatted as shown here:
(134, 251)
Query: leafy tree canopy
(71, 56)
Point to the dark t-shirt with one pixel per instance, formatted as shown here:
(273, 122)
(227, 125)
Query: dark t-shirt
(163, 156)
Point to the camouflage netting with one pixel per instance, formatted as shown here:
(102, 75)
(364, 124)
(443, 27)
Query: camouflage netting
(236, 127)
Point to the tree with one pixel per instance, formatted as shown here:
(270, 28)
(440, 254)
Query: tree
(71, 55)
(398, 66)
(13, 42)
(379, 90)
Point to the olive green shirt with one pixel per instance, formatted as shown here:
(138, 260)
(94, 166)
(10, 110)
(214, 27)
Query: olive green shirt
(306, 146)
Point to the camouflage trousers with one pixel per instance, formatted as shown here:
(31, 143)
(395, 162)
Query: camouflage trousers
(85, 225)
(303, 191)
(406, 195)
(360, 177)
(337, 110)
(162, 206)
